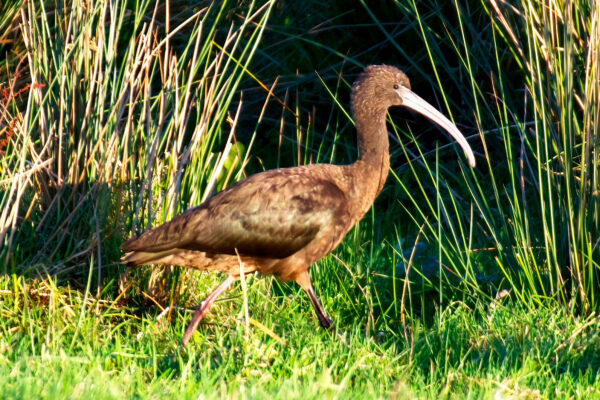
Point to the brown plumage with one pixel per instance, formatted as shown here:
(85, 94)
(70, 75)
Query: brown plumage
(281, 221)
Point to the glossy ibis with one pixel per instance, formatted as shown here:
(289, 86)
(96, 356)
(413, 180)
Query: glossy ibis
(281, 221)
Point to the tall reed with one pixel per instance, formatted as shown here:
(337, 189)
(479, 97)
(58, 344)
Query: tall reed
(125, 122)
(528, 218)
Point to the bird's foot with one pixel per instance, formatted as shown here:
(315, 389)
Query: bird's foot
(330, 327)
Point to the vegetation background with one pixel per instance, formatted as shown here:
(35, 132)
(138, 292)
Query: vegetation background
(117, 115)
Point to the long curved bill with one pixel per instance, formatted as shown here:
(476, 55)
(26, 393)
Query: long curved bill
(414, 102)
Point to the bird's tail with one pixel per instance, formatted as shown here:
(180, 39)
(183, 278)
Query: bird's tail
(134, 258)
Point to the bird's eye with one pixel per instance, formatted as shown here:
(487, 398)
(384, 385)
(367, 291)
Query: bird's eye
(396, 86)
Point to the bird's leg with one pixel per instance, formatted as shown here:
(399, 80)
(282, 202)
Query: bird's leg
(204, 306)
(324, 319)
(304, 282)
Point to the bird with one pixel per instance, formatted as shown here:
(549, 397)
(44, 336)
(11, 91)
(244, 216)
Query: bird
(279, 222)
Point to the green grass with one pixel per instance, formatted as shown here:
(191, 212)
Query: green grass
(116, 116)
(55, 344)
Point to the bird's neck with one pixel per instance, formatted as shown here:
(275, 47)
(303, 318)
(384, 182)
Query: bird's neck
(372, 138)
(372, 167)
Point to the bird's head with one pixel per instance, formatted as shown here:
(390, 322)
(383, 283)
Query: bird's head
(382, 86)
(378, 87)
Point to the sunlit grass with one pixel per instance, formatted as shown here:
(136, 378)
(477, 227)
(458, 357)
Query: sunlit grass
(72, 346)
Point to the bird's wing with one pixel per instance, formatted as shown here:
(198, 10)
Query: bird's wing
(272, 214)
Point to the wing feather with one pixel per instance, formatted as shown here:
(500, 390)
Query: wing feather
(272, 214)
